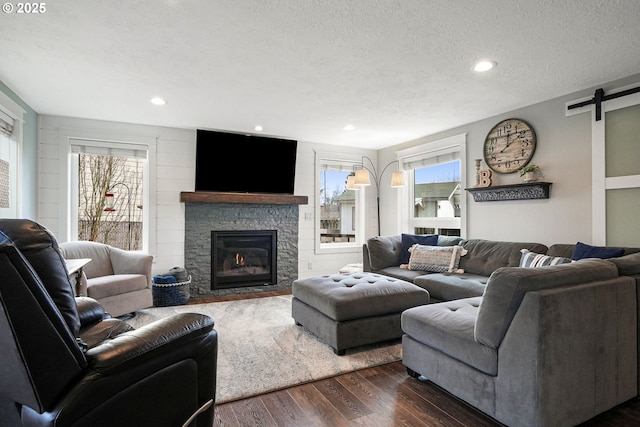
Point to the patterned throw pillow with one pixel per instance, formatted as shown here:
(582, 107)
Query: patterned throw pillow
(436, 259)
(532, 259)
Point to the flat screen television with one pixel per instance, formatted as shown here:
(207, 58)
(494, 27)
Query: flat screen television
(240, 163)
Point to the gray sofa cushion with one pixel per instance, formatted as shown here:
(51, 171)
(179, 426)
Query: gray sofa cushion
(401, 273)
(628, 265)
(449, 328)
(117, 284)
(449, 240)
(384, 251)
(561, 249)
(486, 256)
(507, 287)
(451, 286)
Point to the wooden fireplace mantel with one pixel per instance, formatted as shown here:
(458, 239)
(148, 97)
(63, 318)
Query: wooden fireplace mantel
(250, 198)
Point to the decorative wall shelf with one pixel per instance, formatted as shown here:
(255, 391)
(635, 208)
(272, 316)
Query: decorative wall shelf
(528, 190)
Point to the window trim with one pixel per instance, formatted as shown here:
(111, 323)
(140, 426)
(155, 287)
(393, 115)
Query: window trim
(134, 144)
(427, 154)
(15, 112)
(348, 161)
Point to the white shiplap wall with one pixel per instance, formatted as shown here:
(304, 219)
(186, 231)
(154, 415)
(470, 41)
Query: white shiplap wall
(171, 159)
(172, 170)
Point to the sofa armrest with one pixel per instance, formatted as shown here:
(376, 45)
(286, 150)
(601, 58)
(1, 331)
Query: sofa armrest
(383, 252)
(129, 262)
(89, 311)
(168, 367)
(156, 340)
(570, 352)
(366, 262)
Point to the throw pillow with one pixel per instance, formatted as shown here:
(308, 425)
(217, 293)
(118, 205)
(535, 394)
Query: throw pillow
(532, 259)
(583, 250)
(436, 259)
(409, 240)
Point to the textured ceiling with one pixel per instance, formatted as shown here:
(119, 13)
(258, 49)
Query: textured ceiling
(395, 69)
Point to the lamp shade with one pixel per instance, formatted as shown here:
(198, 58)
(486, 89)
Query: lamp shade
(351, 183)
(362, 177)
(397, 179)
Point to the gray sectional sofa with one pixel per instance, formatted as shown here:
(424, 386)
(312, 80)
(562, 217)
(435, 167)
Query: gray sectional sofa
(380, 255)
(543, 346)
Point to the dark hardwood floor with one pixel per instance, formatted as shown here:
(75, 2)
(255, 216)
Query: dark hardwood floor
(379, 396)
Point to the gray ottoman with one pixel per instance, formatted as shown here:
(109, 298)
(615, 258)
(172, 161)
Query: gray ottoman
(351, 310)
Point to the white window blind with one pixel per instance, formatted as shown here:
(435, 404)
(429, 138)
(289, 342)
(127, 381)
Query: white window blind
(107, 148)
(430, 158)
(433, 153)
(337, 165)
(6, 123)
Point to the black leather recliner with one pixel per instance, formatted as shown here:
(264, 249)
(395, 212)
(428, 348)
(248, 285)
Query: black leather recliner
(64, 361)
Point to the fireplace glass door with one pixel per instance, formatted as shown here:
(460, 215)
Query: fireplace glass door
(243, 258)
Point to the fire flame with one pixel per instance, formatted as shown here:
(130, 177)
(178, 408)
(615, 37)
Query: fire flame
(239, 259)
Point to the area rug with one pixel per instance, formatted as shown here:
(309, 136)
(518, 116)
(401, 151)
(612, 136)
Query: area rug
(260, 349)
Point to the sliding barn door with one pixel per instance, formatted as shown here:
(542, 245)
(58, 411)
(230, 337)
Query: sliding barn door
(616, 173)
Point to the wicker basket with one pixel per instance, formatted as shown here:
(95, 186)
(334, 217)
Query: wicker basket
(168, 294)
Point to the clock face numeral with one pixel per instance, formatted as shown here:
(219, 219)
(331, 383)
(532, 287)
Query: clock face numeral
(509, 145)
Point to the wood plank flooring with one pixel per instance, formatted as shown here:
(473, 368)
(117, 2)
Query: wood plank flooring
(379, 396)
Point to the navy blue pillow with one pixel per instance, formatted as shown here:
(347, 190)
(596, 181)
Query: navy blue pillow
(409, 240)
(583, 250)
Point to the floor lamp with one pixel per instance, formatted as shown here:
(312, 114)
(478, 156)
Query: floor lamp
(110, 202)
(362, 178)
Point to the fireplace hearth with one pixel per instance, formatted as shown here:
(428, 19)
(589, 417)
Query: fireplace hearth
(241, 258)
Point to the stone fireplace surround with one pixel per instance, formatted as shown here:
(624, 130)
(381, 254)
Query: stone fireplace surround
(205, 212)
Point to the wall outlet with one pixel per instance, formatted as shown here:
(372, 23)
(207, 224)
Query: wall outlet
(309, 265)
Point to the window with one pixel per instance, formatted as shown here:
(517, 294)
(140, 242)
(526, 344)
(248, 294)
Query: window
(436, 203)
(337, 207)
(337, 211)
(110, 200)
(436, 197)
(10, 143)
(110, 193)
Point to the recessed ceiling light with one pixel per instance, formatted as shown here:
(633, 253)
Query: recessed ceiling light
(349, 127)
(482, 66)
(258, 128)
(158, 101)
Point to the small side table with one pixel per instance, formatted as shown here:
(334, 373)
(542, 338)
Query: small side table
(75, 266)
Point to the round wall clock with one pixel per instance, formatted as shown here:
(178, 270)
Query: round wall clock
(509, 145)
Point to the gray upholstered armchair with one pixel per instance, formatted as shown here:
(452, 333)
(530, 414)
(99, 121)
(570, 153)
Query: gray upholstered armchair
(119, 280)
